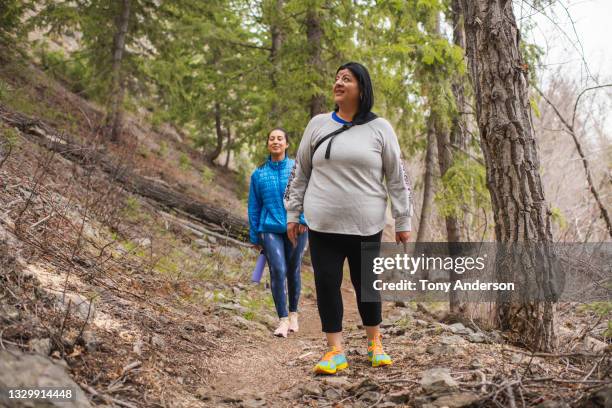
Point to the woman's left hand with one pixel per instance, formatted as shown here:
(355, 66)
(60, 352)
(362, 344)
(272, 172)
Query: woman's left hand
(302, 229)
(402, 236)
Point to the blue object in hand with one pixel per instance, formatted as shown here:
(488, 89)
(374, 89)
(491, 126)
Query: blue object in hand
(259, 267)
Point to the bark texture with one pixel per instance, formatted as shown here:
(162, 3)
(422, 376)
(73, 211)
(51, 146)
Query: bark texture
(314, 35)
(459, 134)
(507, 139)
(457, 137)
(277, 36)
(213, 155)
(114, 120)
(228, 147)
(425, 219)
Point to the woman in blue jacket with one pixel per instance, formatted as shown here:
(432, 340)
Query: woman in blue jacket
(268, 230)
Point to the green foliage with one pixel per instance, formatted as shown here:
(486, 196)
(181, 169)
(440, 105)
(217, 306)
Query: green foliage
(22, 101)
(256, 303)
(132, 207)
(208, 175)
(602, 310)
(4, 90)
(143, 151)
(169, 265)
(11, 25)
(92, 25)
(599, 308)
(163, 149)
(202, 64)
(463, 186)
(534, 107)
(558, 218)
(74, 72)
(10, 138)
(134, 249)
(405, 322)
(532, 57)
(184, 162)
(207, 67)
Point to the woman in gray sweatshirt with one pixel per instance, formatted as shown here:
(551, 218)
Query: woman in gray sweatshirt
(347, 164)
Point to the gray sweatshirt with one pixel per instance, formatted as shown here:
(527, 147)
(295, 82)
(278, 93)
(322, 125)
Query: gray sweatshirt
(346, 193)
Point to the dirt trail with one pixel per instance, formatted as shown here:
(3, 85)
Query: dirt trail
(271, 368)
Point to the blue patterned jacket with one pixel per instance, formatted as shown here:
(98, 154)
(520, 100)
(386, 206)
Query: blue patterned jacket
(266, 209)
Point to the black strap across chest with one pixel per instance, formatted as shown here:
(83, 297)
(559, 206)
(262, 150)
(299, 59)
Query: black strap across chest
(336, 132)
(370, 117)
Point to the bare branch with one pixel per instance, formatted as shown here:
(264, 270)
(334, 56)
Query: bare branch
(580, 95)
(585, 163)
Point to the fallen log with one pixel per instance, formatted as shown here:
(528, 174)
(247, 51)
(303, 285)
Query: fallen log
(45, 135)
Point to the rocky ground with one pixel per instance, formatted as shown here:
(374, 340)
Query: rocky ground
(435, 365)
(159, 353)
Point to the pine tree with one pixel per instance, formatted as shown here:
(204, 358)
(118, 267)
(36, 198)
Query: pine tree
(11, 26)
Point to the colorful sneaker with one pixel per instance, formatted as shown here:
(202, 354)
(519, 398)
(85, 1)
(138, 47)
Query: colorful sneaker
(376, 353)
(332, 362)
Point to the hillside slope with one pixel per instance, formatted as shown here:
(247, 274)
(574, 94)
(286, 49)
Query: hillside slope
(136, 304)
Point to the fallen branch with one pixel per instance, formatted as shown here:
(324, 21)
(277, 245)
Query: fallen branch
(399, 380)
(510, 394)
(130, 367)
(554, 355)
(106, 398)
(45, 219)
(564, 381)
(586, 377)
(200, 230)
(42, 134)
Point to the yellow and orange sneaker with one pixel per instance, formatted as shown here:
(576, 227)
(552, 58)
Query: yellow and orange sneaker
(376, 353)
(332, 362)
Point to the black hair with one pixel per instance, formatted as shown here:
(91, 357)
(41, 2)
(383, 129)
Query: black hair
(366, 100)
(282, 130)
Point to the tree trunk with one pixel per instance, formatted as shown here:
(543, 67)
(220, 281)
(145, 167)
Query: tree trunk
(277, 43)
(424, 232)
(457, 136)
(212, 156)
(314, 34)
(511, 158)
(114, 118)
(445, 161)
(228, 146)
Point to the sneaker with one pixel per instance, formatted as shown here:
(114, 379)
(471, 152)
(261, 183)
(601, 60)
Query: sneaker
(376, 353)
(332, 362)
(293, 322)
(283, 327)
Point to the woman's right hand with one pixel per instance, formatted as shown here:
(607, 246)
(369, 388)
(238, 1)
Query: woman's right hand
(293, 231)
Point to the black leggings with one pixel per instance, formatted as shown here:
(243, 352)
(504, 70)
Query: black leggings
(328, 252)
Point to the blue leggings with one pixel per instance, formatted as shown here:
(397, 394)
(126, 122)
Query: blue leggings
(284, 262)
